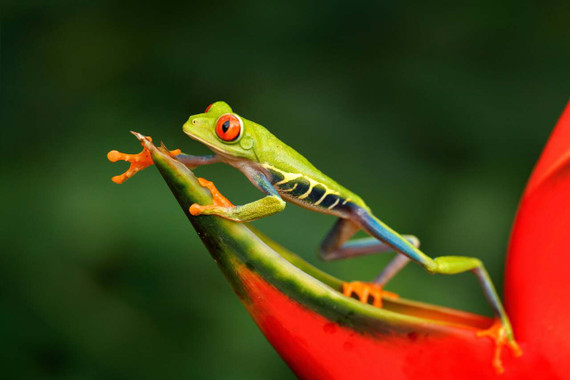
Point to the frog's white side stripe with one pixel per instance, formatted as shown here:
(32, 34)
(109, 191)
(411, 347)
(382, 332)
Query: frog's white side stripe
(322, 198)
(334, 204)
(289, 190)
(306, 194)
(288, 177)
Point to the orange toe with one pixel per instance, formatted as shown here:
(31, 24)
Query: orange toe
(138, 162)
(498, 333)
(196, 209)
(217, 198)
(366, 292)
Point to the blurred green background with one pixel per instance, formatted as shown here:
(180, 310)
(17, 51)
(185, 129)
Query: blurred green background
(434, 113)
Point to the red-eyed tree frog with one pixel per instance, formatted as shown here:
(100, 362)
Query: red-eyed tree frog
(283, 174)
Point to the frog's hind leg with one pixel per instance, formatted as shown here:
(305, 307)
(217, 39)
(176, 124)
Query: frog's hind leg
(336, 246)
(393, 267)
(502, 333)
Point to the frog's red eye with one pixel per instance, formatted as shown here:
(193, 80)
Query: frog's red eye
(229, 127)
(208, 108)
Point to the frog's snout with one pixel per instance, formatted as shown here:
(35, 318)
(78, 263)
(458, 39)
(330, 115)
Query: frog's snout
(193, 124)
(187, 127)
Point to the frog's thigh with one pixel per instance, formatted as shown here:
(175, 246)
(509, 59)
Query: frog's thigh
(335, 245)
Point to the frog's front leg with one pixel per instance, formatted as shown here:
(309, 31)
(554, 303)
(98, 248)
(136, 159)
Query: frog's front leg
(269, 205)
(143, 159)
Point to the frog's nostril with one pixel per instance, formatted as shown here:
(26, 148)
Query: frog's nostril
(194, 122)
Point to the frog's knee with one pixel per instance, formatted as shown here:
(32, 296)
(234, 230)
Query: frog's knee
(454, 264)
(413, 240)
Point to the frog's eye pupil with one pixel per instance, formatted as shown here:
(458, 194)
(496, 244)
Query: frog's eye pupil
(229, 127)
(226, 126)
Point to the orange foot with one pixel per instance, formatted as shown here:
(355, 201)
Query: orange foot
(217, 198)
(366, 292)
(498, 332)
(138, 161)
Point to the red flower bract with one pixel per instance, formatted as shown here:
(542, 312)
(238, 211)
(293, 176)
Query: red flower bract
(322, 334)
(537, 294)
(537, 283)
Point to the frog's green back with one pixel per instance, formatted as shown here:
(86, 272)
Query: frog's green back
(273, 153)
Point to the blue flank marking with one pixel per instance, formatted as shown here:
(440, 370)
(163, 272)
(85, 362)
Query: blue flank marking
(384, 233)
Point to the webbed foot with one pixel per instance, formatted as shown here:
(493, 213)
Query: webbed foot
(367, 292)
(138, 161)
(217, 198)
(502, 335)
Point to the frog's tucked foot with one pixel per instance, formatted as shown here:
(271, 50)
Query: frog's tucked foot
(138, 161)
(217, 198)
(502, 336)
(366, 292)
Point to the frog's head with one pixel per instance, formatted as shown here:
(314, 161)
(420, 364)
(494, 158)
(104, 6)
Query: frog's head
(223, 131)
